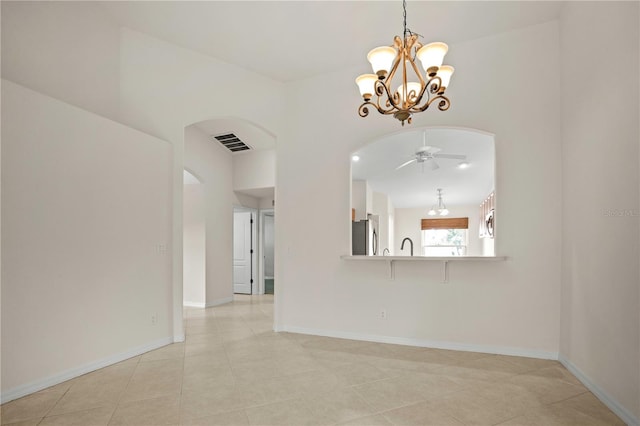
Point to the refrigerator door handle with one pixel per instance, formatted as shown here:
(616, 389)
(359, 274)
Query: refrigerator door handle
(375, 242)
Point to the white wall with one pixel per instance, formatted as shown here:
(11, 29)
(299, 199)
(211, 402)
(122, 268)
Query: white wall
(359, 191)
(86, 238)
(381, 206)
(67, 50)
(408, 224)
(194, 242)
(600, 277)
(266, 203)
(254, 169)
(391, 220)
(491, 91)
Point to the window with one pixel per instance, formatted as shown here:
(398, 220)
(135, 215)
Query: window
(445, 237)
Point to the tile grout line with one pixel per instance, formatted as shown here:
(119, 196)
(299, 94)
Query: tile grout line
(124, 390)
(53, 406)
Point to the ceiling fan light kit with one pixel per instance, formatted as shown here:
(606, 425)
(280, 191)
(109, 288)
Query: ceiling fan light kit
(411, 96)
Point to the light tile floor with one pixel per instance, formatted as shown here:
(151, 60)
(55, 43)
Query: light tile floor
(233, 370)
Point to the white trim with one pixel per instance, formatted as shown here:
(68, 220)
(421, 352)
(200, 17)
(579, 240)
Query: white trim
(219, 302)
(435, 344)
(63, 376)
(179, 338)
(602, 395)
(194, 304)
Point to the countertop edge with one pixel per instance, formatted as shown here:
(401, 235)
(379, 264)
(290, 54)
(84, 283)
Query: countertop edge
(427, 258)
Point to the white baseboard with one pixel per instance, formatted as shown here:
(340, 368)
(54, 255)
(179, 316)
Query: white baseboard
(194, 304)
(63, 376)
(602, 395)
(435, 344)
(220, 302)
(179, 338)
(208, 305)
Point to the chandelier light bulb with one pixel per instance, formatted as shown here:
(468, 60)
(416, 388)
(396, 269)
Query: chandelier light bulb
(444, 212)
(431, 212)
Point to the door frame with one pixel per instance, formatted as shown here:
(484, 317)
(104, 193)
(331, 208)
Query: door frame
(254, 245)
(263, 213)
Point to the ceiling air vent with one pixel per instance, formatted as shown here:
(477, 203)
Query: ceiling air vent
(232, 142)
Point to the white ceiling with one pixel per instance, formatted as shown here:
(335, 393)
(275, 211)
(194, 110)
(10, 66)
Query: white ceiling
(411, 186)
(290, 40)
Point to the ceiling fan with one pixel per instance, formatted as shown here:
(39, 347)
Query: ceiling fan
(426, 155)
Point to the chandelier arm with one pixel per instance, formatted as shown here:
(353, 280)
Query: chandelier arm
(392, 100)
(363, 110)
(394, 68)
(404, 99)
(443, 105)
(434, 84)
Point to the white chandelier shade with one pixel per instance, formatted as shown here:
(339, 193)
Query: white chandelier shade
(432, 56)
(381, 60)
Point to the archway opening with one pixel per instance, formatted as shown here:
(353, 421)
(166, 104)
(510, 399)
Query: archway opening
(407, 187)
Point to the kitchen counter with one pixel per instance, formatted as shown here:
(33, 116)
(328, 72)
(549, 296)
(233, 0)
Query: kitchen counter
(444, 259)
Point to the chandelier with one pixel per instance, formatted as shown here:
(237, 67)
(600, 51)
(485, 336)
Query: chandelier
(410, 96)
(440, 208)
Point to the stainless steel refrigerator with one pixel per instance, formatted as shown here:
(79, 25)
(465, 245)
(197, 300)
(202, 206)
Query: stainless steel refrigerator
(365, 236)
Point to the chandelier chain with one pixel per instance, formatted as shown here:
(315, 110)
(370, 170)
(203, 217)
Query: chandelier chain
(404, 18)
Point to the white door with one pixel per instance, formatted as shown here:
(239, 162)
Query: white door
(242, 268)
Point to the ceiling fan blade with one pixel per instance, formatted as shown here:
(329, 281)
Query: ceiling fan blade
(432, 165)
(405, 164)
(427, 149)
(451, 156)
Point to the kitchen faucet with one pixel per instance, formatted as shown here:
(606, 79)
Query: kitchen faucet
(385, 251)
(402, 245)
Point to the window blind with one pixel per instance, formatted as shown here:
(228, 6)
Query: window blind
(447, 223)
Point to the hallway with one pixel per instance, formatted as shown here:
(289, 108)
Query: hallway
(233, 370)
